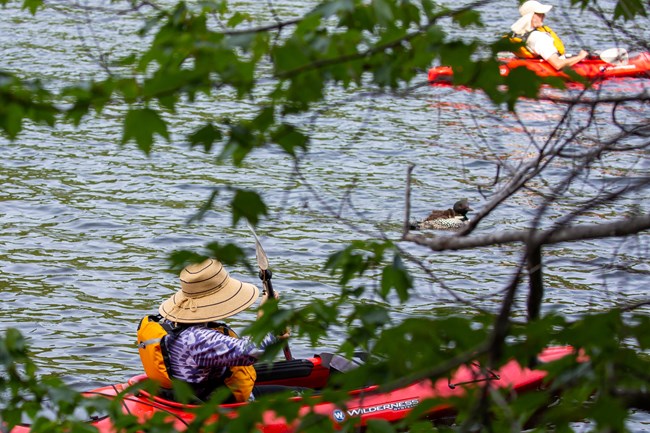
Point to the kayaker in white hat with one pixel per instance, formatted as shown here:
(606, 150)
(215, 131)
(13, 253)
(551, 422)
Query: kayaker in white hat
(187, 341)
(540, 40)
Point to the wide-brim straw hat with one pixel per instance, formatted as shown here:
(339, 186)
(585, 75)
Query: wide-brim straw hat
(208, 293)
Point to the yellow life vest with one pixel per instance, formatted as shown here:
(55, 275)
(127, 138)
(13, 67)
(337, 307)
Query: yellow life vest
(524, 53)
(152, 332)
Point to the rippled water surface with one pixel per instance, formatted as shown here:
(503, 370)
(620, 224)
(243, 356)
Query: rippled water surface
(86, 224)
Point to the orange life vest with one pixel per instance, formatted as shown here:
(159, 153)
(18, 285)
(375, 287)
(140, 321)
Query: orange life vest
(524, 53)
(152, 332)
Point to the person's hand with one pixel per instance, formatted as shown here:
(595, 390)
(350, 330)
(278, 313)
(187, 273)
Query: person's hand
(583, 54)
(265, 297)
(285, 336)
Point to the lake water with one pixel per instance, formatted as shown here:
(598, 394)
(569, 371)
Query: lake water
(86, 225)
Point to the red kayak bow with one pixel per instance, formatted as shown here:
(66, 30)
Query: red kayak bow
(591, 69)
(361, 406)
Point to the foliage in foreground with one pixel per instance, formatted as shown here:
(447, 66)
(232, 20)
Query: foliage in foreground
(601, 383)
(382, 44)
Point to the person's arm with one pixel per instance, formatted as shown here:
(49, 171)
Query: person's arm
(541, 43)
(559, 63)
(265, 297)
(212, 348)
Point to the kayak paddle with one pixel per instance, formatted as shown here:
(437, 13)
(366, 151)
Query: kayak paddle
(615, 56)
(265, 276)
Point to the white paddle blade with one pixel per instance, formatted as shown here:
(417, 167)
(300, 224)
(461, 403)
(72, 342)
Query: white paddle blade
(615, 56)
(262, 259)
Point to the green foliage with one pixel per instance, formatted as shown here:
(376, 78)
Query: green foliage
(629, 9)
(396, 277)
(45, 401)
(360, 257)
(393, 40)
(206, 136)
(247, 205)
(20, 100)
(228, 254)
(95, 96)
(31, 5)
(141, 125)
(467, 18)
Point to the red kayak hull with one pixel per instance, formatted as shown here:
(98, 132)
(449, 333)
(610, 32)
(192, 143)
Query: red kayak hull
(362, 406)
(592, 69)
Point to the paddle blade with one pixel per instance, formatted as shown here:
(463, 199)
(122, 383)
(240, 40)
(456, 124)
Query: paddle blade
(260, 255)
(615, 56)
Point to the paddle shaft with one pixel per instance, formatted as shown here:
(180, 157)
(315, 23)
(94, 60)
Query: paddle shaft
(265, 276)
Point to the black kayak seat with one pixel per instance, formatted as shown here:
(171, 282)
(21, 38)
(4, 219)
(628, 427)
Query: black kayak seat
(283, 369)
(339, 364)
(295, 368)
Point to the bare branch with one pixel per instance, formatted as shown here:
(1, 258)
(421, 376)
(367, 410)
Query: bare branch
(624, 227)
(407, 207)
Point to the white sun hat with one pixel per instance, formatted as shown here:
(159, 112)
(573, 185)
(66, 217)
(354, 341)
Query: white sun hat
(527, 10)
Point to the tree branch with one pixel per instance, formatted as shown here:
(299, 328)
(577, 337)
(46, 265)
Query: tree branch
(536, 291)
(624, 227)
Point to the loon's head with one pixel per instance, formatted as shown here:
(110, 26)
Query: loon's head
(461, 207)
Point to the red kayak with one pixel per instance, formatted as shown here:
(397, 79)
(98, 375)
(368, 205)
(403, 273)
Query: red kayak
(362, 405)
(591, 69)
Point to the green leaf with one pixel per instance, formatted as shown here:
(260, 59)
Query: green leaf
(265, 118)
(290, 139)
(467, 18)
(129, 88)
(396, 277)
(380, 426)
(141, 125)
(521, 82)
(242, 139)
(11, 117)
(383, 11)
(609, 414)
(32, 5)
(206, 136)
(629, 9)
(289, 56)
(330, 8)
(348, 263)
(248, 205)
(228, 254)
(642, 331)
(238, 18)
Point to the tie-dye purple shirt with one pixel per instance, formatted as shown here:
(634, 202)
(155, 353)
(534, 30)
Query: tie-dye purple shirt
(199, 354)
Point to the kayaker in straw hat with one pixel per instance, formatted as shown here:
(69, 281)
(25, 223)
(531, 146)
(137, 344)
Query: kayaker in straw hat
(186, 342)
(540, 40)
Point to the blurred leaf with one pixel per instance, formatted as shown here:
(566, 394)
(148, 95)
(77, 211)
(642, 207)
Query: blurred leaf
(238, 18)
(290, 139)
(228, 254)
(141, 125)
(467, 18)
(521, 82)
(629, 9)
(12, 116)
(383, 11)
(32, 5)
(247, 205)
(396, 277)
(380, 426)
(206, 136)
